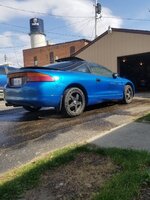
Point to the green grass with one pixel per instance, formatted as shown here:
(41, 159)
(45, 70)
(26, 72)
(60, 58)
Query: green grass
(146, 118)
(124, 185)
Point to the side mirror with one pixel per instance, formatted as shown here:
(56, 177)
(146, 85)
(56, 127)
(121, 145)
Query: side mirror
(115, 75)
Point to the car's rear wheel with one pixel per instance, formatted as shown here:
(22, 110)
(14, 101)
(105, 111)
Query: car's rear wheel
(31, 108)
(73, 102)
(128, 94)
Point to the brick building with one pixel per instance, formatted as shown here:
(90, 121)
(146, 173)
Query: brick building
(48, 54)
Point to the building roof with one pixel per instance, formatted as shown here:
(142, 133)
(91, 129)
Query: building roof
(145, 32)
(70, 42)
(63, 43)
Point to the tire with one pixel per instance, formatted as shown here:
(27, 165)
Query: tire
(31, 108)
(128, 94)
(73, 102)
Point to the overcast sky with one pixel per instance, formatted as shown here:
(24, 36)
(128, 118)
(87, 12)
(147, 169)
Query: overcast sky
(64, 20)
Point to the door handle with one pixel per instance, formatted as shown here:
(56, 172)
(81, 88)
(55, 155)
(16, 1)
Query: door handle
(98, 80)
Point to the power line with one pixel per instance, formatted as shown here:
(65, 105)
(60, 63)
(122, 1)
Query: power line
(126, 18)
(41, 13)
(84, 26)
(74, 23)
(93, 32)
(11, 47)
(65, 35)
(13, 25)
(70, 35)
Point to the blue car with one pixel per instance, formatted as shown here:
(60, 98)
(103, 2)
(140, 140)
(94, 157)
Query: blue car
(68, 85)
(4, 69)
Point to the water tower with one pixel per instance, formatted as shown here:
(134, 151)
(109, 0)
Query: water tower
(37, 35)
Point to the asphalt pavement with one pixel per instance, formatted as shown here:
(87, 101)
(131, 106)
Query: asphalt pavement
(25, 136)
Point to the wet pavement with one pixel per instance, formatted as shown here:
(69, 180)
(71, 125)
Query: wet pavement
(17, 125)
(24, 136)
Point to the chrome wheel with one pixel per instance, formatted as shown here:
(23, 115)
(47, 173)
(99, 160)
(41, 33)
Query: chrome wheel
(74, 102)
(128, 94)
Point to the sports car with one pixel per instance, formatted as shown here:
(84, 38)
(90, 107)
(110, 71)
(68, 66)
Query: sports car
(68, 85)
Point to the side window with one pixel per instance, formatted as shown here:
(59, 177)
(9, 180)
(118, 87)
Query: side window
(82, 68)
(100, 70)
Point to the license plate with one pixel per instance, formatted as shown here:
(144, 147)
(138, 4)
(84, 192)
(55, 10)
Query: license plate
(17, 82)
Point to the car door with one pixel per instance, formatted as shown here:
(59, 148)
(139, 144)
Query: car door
(107, 87)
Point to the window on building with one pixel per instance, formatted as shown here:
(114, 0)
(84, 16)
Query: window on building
(35, 59)
(72, 50)
(51, 55)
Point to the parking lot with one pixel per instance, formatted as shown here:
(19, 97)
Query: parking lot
(24, 136)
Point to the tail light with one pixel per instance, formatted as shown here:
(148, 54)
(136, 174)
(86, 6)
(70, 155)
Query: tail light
(19, 79)
(38, 77)
(32, 77)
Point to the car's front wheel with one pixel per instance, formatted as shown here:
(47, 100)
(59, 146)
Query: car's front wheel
(31, 108)
(128, 94)
(73, 102)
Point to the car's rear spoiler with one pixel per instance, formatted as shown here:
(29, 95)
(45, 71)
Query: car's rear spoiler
(69, 59)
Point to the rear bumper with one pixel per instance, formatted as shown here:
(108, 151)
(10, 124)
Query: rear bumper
(38, 96)
(49, 101)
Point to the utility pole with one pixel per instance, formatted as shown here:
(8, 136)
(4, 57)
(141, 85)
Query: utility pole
(97, 12)
(5, 58)
(95, 19)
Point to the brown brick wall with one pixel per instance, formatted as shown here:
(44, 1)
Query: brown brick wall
(43, 53)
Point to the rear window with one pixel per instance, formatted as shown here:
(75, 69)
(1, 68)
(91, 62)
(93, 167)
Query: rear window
(64, 66)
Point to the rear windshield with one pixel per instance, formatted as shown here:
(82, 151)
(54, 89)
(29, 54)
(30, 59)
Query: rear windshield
(64, 66)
